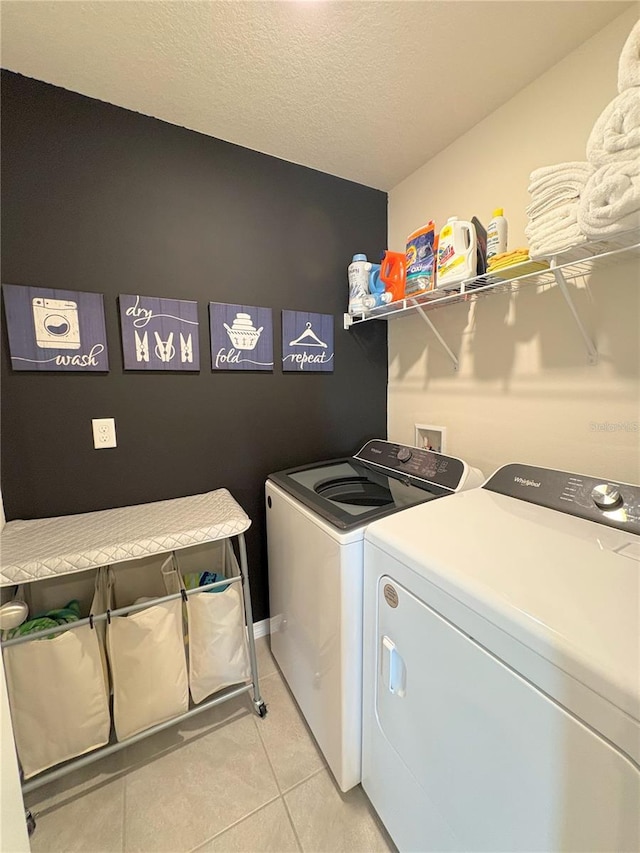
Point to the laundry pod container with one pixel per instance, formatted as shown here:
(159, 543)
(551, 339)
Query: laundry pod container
(58, 695)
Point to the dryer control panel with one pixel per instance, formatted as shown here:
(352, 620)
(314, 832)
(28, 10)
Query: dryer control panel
(604, 501)
(414, 462)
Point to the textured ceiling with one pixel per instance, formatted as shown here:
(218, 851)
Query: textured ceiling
(365, 90)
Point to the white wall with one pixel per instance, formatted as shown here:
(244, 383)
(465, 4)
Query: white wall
(524, 391)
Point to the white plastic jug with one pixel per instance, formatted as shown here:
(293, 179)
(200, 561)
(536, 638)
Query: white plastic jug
(457, 253)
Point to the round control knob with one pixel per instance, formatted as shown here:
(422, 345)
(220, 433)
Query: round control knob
(404, 454)
(606, 496)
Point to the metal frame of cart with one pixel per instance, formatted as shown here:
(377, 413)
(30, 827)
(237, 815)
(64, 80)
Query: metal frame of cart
(122, 535)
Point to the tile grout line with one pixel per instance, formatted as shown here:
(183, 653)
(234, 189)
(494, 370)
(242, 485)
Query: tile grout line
(275, 775)
(276, 671)
(217, 726)
(292, 824)
(255, 719)
(293, 787)
(306, 779)
(256, 722)
(274, 675)
(266, 752)
(235, 823)
(323, 766)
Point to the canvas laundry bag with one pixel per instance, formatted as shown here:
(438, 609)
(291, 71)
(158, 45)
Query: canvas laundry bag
(218, 653)
(148, 667)
(59, 693)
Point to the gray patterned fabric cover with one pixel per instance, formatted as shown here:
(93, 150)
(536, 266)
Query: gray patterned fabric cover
(48, 547)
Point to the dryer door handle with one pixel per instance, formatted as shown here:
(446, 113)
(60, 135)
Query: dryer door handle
(393, 668)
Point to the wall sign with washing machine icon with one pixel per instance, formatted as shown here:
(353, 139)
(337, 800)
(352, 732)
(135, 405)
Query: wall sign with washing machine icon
(56, 323)
(55, 329)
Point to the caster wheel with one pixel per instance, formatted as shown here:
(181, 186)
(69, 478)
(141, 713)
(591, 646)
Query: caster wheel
(262, 709)
(31, 822)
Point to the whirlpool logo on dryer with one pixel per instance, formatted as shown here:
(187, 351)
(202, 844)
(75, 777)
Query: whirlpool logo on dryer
(522, 482)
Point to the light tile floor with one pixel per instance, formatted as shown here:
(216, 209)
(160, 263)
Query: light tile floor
(225, 780)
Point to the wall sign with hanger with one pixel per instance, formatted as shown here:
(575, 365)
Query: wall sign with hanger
(55, 329)
(241, 337)
(159, 334)
(307, 341)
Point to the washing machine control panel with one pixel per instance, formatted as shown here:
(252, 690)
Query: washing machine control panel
(413, 462)
(606, 496)
(603, 501)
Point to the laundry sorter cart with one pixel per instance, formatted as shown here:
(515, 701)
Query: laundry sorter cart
(84, 689)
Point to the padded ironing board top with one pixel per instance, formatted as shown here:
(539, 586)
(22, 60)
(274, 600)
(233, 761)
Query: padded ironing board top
(49, 547)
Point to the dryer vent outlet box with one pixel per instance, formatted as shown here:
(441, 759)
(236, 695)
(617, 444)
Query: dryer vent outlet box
(431, 437)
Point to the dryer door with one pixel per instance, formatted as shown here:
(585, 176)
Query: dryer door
(488, 761)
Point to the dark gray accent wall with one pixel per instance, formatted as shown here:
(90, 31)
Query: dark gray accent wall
(98, 198)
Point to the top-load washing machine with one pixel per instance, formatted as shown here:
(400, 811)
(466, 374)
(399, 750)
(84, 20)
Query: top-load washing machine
(316, 518)
(501, 695)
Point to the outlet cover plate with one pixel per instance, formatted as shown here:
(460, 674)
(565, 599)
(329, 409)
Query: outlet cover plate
(104, 433)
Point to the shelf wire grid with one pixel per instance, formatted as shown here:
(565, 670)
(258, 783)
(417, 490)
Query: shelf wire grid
(574, 264)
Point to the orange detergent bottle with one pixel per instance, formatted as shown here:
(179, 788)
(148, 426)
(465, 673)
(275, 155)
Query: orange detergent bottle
(393, 272)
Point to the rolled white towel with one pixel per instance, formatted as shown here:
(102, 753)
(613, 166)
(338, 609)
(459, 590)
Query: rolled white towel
(549, 177)
(629, 63)
(616, 133)
(611, 200)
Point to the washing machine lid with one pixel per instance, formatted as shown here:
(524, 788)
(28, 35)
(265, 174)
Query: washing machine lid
(380, 479)
(529, 555)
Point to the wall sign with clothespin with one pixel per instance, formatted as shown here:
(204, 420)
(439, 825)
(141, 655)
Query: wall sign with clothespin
(307, 341)
(159, 334)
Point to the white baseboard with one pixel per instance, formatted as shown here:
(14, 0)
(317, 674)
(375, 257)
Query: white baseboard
(261, 629)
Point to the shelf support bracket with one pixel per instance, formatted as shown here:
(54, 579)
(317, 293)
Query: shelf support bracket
(592, 352)
(442, 341)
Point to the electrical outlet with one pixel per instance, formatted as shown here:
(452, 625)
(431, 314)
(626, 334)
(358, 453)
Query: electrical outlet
(104, 432)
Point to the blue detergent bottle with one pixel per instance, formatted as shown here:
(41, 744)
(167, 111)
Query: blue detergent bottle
(378, 294)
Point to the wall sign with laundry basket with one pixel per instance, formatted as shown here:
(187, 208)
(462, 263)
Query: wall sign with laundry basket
(241, 337)
(307, 341)
(55, 329)
(159, 334)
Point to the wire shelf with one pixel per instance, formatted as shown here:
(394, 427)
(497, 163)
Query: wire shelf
(574, 264)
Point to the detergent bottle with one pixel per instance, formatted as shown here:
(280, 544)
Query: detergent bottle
(358, 271)
(378, 295)
(393, 273)
(457, 253)
(497, 234)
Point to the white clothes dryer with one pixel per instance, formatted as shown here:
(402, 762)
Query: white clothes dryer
(316, 518)
(501, 700)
